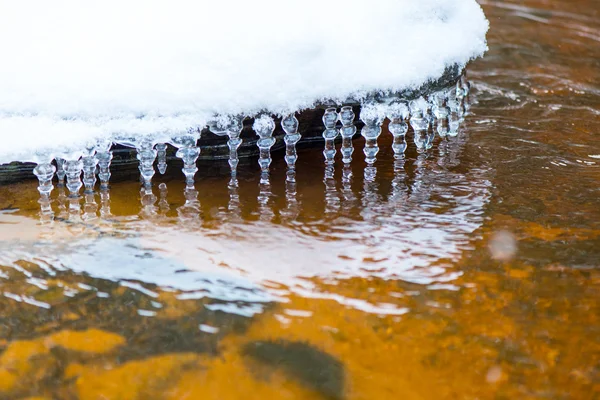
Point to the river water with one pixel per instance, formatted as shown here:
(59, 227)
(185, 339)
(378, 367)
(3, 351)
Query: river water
(468, 272)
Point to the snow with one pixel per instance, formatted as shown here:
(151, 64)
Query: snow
(76, 71)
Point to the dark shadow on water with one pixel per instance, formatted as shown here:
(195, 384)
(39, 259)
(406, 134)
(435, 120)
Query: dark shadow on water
(305, 363)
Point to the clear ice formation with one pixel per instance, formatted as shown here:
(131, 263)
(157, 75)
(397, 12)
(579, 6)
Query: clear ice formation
(290, 123)
(398, 115)
(90, 163)
(442, 113)
(330, 133)
(161, 157)
(104, 155)
(81, 211)
(164, 85)
(189, 152)
(264, 127)
(347, 131)
(372, 117)
(232, 127)
(73, 169)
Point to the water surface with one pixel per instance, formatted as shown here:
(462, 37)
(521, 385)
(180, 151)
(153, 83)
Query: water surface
(468, 272)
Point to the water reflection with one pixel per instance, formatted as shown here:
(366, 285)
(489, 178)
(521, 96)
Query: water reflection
(389, 228)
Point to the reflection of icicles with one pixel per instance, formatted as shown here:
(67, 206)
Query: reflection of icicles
(332, 199)
(105, 203)
(419, 190)
(347, 131)
(147, 200)
(289, 124)
(146, 154)
(292, 209)
(190, 210)
(90, 207)
(454, 118)
(63, 213)
(73, 169)
(74, 217)
(264, 127)
(104, 156)
(399, 185)
(371, 116)
(264, 196)
(235, 213)
(161, 157)
(89, 162)
(398, 113)
(163, 203)
(370, 197)
(330, 133)
(46, 213)
(349, 198)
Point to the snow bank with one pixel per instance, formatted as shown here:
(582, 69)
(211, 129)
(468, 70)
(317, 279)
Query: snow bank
(72, 71)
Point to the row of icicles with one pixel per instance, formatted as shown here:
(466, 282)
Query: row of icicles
(443, 111)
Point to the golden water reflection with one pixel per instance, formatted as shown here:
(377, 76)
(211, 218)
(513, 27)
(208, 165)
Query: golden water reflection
(469, 272)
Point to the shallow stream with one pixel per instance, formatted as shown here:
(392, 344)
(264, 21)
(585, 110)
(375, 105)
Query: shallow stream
(471, 271)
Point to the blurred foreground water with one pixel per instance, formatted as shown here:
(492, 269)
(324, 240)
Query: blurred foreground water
(470, 271)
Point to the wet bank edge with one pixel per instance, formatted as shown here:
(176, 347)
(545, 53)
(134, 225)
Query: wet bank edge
(214, 151)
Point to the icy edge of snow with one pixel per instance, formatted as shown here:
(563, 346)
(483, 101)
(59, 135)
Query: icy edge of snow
(411, 44)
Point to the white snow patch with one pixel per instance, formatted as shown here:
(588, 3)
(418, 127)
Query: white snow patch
(76, 71)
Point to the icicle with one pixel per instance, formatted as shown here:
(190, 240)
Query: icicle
(371, 116)
(347, 131)
(420, 123)
(60, 170)
(439, 106)
(290, 124)
(232, 127)
(44, 171)
(189, 152)
(398, 114)
(73, 169)
(89, 162)
(104, 156)
(90, 207)
(161, 157)
(330, 133)
(146, 154)
(264, 127)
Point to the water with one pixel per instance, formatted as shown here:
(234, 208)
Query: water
(467, 270)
